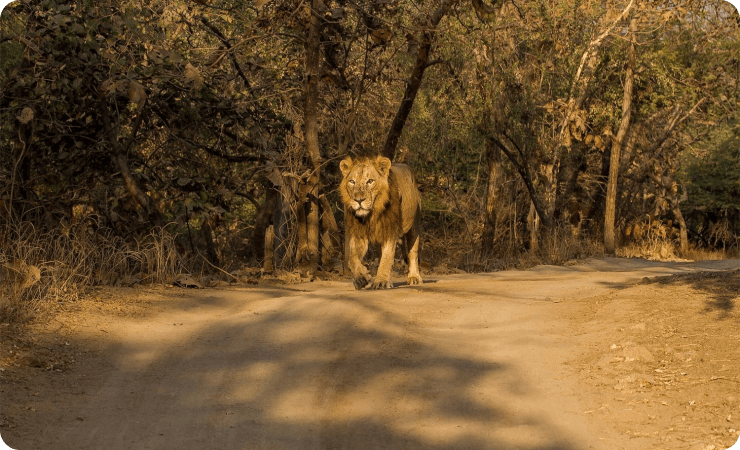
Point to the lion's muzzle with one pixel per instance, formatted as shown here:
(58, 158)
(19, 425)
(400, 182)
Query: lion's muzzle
(361, 207)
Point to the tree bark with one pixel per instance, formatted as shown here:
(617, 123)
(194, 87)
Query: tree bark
(207, 233)
(280, 224)
(268, 264)
(414, 82)
(330, 237)
(495, 171)
(263, 221)
(533, 226)
(302, 253)
(684, 234)
(614, 160)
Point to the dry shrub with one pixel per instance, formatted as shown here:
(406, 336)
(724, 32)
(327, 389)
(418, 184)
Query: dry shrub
(453, 225)
(565, 243)
(233, 244)
(722, 234)
(651, 239)
(71, 259)
(659, 241)
(703, 254)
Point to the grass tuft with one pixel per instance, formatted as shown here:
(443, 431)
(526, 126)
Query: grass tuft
(72, 259)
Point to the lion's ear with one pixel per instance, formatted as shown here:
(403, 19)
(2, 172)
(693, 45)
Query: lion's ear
(346, 165)
(383, 164)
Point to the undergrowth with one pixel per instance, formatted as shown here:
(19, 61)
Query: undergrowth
(452, 229)
(659, 241)
(71, 259)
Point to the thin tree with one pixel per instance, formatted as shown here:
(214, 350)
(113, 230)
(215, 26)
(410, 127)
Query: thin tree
(611, 188)
(308, 252)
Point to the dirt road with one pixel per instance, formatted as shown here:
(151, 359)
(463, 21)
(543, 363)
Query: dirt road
(506, 360)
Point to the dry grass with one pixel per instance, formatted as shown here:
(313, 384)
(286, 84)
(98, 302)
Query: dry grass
(74, 258)
(703, 254)
(565, 244)
(658, 241)
(669, 250)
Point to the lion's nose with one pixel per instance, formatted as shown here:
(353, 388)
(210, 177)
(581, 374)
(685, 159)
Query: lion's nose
(359, 201)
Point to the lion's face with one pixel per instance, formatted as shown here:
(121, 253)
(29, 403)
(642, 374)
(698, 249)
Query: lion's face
(365, 184)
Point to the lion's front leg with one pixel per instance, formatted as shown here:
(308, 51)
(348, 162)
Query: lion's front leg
(382, 279)
(360, 275)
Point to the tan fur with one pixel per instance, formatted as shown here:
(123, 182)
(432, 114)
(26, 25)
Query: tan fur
(381, 204)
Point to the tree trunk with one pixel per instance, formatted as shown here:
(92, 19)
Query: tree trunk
(533, 226)
(495, 172)
(330, 236)
(550, 173)
(614, 160)
(675, 200)
(207, 232)
(268, 263)
(302, 253)
(263, 221)
(684, 234)
(310, 260)
(280, 224)
(414, 82)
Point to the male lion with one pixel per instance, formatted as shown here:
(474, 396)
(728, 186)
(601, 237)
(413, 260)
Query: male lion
(381, 204)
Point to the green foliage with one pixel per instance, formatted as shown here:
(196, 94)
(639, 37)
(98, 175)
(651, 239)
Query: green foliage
(713, 179)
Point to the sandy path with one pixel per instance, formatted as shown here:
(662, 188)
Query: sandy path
(463, 361)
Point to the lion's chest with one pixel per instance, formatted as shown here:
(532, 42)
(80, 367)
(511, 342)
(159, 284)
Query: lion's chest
(378, 228)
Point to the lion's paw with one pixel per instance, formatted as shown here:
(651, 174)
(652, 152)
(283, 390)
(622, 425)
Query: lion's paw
(362, 281)
(380, 284)
(413, 279)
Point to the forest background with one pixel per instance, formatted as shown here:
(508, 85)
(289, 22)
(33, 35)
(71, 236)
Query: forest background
(142, 139)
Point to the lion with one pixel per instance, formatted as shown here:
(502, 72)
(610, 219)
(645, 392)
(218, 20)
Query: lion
(381, 204)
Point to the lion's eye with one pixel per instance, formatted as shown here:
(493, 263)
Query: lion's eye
(370, 181)
(351, 181)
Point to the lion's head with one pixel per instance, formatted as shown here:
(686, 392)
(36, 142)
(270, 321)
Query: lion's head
(364, 188)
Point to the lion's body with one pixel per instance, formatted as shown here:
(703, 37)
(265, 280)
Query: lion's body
(381, 204)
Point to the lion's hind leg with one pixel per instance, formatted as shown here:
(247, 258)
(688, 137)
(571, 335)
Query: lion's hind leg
(413, 244)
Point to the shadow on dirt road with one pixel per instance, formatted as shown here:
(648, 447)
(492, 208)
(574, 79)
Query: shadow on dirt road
(722, 289)
(468, 362)
(312, 371)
